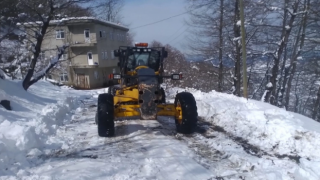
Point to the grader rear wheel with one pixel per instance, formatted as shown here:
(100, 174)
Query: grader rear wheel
(105, 115)
(187, 110)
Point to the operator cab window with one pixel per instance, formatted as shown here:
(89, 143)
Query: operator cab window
(150, 59)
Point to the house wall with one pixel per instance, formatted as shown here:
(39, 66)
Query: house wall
(111, 39)
(94, 77)
(50, 42)
(77, 33)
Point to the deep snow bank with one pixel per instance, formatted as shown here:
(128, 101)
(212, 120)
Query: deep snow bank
(273, 130)
(36, 115)
(270, 128)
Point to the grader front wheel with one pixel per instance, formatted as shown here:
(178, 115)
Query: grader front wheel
(105, 115)
(186, 118)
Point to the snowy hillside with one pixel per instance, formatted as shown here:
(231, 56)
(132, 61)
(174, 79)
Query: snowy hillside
(50, 134)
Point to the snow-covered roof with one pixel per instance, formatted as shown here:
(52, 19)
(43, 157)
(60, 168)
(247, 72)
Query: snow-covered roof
(77, 20)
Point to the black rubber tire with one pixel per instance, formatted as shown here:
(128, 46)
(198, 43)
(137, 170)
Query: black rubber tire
(112, 90)
(189, 113)
(163, 96)
(105, 115)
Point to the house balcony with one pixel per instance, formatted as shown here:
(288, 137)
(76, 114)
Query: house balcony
(84, 66)
(83, 44)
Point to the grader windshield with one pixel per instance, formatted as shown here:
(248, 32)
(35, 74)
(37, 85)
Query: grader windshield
(150, 58)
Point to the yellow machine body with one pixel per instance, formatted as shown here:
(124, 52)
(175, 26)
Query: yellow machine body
(126, 103)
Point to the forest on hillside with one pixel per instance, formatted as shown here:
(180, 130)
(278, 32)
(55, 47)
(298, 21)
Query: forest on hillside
(282, 44)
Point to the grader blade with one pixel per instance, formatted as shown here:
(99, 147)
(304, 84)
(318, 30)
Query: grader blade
(147, 86)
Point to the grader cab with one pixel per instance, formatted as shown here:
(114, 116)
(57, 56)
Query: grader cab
(139, 94)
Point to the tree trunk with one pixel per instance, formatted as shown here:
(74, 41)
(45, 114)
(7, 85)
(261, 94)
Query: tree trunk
(286, 30)
(37, 49)
(244, 52)
(220, 81)
(297, 53)
(26, 82)
(316, 105)
(237, 34)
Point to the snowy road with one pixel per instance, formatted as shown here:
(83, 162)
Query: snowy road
(139, 150)
(149, 150)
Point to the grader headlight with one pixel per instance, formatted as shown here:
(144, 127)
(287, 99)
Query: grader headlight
(176, 76)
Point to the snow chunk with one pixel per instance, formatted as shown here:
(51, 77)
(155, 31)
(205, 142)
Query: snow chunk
(269, 85)
(236, 38)
(195, 67)
(239, 23)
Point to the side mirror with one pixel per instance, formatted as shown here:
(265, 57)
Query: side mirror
(165, 54)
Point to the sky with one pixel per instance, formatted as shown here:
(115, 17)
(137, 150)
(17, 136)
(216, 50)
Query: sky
(172, 31)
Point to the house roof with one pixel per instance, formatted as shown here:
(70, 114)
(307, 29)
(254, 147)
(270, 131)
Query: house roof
(79, 20)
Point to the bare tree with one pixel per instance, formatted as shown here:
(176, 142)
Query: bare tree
(9, 15)
(288, 20)
(207, 17)
(237, 55)
(39, 13)
(298, 47)
(109, 10)
(220, 82)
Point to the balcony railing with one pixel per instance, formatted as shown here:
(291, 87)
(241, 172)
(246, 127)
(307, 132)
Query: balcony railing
(83, 44)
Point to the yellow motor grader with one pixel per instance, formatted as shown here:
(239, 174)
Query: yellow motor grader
(139, 94)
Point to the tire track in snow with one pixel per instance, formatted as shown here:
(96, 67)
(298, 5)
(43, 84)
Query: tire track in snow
(247, 147)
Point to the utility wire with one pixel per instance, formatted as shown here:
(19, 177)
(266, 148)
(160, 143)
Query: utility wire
(162, 20)
(172, 35)
(178, 35)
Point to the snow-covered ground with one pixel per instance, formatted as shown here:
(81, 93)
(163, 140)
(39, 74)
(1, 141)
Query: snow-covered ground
(51, 135)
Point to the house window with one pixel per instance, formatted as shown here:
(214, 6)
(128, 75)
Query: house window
(60, 34)
(112, 35)
(87, 33)
(103, 34)
(36, 33)
(90, 58)
(64, 77)
(121, 37)
(63, 57)
(42, 55)
(112, 55)
(104, 55)
(87, 36)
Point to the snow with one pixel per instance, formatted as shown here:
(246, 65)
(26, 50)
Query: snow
(239, 23)
(76, 18)
(3, 75)
(34, 118)
(53, 136)
(195, 67)
(236, 38)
